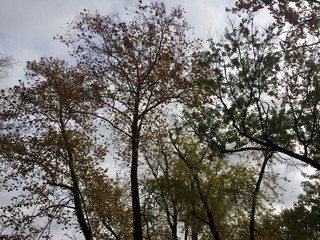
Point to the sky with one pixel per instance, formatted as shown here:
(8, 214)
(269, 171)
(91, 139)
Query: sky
(27, 29)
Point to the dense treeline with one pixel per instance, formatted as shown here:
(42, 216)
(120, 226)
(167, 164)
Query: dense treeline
(200, 131)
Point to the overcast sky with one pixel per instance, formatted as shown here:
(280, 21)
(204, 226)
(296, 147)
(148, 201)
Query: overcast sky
(27, 28)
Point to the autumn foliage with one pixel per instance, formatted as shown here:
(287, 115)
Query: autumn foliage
(198, 132)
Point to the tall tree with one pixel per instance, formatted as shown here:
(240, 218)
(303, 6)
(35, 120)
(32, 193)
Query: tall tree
(51, 156)
(134, 68)
(262, 97)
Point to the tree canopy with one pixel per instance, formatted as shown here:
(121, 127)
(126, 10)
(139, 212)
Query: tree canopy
(199, 132)
(262, 93)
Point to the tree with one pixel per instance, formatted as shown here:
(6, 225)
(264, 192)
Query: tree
(195, 190)
(164, 186)
(261, 97)
(134, 68)
(300, 17)
(6, 62)
(302, 221)
(298, 22)
(51, 157)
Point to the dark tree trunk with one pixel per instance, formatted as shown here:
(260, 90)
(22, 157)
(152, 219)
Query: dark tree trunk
(186, 233)
(194, 236)
(137, 225)
(210, 222)
(174, 227)
(81, 218)
(78, 203)
(254, 197)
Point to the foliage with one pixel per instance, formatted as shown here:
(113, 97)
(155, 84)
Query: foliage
(51, 158)
(302, 221)
(135, 68)
(254, 89)
(299, 17)
(192, 192)
(260, 96)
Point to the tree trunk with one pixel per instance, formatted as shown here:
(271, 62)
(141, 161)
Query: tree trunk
(255, 195)
(194, 236)
(84, 225)
(174, 226)
(80, 216)
(137, 226)
(186, 232)
(210, 222)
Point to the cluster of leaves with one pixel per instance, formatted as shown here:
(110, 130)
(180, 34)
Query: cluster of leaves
(260, 88)
(135, 66)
